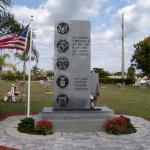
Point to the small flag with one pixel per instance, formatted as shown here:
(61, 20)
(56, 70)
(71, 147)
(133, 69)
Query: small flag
(15, 42)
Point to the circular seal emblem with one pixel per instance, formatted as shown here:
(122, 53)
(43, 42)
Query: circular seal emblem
(62, 46)
(62, 81)
(62, 63)
(62, 100)
(63, 28)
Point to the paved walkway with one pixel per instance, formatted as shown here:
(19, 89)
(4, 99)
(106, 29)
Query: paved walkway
(77, 141)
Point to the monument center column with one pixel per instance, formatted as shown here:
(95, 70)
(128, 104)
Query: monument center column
(72, 65)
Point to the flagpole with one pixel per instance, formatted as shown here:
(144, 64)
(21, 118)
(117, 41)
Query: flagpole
(29, 74)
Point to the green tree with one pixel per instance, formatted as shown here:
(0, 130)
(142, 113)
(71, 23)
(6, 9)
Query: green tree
(141, 56)
(118, 73)
(36, 71)
(4, 4)
(4, 64)
(131, 74)
(24, 57)
(50, 73)
(102, 73)
(8, 24)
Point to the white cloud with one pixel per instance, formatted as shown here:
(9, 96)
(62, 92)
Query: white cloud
(106, 36)
(107, 43)
(44, 18)
(137, 16)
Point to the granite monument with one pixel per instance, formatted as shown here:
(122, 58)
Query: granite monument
(73, 81)
(72, 55)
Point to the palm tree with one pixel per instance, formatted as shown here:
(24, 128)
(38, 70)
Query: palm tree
(4, 4)
(24, 57)
(8, 24)
(4, 64)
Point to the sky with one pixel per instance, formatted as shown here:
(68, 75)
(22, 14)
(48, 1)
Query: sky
(105, 18)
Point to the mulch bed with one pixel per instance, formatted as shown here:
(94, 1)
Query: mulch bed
(147, 119)
(6, 148)
(5, 115)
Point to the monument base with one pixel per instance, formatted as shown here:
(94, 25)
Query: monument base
(82, 120)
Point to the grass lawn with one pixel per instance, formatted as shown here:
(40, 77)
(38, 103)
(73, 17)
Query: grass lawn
(128, 100)
(39, 97)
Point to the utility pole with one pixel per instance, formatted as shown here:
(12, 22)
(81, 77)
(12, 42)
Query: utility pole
(122, 39)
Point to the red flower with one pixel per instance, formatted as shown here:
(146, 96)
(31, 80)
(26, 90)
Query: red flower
(117, 125)
(44, 123)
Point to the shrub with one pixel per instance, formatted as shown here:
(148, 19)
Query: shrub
(119, 125)
(44, 127)
(115, 81)
(41, 78)
(12, 77)
(26, 125)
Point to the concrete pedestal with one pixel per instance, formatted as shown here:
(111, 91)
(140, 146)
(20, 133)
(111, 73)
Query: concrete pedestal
(82, 120)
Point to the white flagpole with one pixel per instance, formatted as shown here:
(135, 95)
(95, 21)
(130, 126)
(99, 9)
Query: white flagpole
(29, 74)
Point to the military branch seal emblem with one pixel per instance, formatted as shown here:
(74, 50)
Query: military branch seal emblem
(62, 81)
(63, 28)
(62, 46)
(62, 63)
(62, 100)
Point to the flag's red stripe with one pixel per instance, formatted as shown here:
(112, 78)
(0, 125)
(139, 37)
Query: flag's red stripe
(8, 39)
(15, 45)
(13, 42)
(16, 42)
(12, 39)
(12, 47)
(22, 39)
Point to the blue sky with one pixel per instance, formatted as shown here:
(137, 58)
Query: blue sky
(29, 3)
(105, 17)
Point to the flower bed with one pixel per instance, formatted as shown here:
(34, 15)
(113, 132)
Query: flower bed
(119, 125)
(42, 127)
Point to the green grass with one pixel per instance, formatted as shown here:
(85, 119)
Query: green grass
(39, 97)
(129, 100)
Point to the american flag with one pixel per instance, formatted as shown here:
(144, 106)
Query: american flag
(15, 42)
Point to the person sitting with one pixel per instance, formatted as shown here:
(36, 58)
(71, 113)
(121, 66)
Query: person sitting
(12, 95)
(7, 97)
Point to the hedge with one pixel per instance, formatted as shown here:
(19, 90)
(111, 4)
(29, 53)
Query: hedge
(115, 81)
(12, 77)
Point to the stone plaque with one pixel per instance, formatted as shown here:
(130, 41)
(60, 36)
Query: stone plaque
(72, 64)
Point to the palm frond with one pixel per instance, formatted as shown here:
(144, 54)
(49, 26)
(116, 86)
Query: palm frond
(35, 52)
(11, 66)
(6, 56)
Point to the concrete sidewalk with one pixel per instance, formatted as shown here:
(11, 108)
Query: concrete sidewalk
(76, 141)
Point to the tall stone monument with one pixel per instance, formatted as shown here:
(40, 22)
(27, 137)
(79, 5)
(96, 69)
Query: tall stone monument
(72, 53)
(73, 81)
